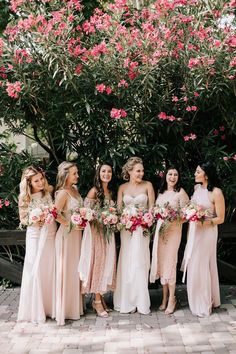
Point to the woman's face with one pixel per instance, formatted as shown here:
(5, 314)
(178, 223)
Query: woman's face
(200, 176)
(105, 173)
(137, 173)
(37, 183)
(73, 176)
(172, 177)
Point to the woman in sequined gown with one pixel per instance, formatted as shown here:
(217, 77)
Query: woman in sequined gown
(166, 245)
(97, 265)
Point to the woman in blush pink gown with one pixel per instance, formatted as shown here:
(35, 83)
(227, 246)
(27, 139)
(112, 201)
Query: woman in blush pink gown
(97, 266)
(200, 252)
(37, 286)
(68, 298)
(166, 245)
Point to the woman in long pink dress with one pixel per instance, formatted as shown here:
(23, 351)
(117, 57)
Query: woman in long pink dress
(97, 266)
(166, 244)
(200, 252)
(68, 242)
(37, 286)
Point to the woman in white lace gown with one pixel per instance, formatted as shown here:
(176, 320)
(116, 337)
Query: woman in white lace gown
(131, 292)
(37, 286)
(97, 265)
(68, 293)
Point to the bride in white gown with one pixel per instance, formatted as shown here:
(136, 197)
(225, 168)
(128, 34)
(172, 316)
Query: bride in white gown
(131, 292)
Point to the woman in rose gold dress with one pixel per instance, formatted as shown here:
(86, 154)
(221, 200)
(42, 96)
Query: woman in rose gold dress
(166, 244)
(67, 293)
(37, 286)
(97, 266)
(200, 259)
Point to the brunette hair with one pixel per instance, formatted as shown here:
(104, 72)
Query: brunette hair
(177, 187)
(129, 165)
(98, 183)
(63, 172)
(210, 172)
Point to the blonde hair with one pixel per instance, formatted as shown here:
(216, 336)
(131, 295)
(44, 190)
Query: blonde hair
(25, 184)
(129, 165)
(63, 173)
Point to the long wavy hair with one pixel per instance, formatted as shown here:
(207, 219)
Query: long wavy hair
(25, 184)
(63, 173)
(129, 165)
(98, 183)
(210, 172)
(163, 186)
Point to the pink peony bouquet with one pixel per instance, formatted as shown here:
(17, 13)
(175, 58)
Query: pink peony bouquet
(133, 217)
(42, 214)
(81, 216)
(194, 212)
(166, 212)
(107, 217)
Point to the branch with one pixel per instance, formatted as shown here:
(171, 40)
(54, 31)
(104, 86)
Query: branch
(44, 146)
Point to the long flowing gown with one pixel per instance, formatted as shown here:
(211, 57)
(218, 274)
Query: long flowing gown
(97, 266)
(202, 274)
(166, 245)
(38, 278)
(68, 292)
(133, 266)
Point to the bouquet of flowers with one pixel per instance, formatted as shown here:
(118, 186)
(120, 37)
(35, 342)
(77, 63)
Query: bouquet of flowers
(168, 214)
(81, 216)
(42, 214)
(194, 212)
(134, 216)
(107, 216)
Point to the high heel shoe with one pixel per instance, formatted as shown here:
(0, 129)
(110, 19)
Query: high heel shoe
(163, 305)
(103, 313)
(171, 307)
(106, 308)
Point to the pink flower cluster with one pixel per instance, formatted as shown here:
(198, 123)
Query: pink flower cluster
(164, 116)
(134, 217)
(109, 216)
(81, 216)
(227, 158)
(166, 212)
(118, 113)
(42, 214)
(4, 202)
(191, 136)
(194, 212)
(13, 89)
(103, 88)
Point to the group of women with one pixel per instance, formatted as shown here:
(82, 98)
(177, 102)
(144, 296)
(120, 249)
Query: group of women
(62, 264)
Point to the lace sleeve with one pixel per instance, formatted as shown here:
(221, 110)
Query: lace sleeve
(89, 203)
(23, 211)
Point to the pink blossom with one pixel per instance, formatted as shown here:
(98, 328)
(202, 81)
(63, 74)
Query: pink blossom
(78, 69)
(222, 137)
(234, 157)
(108, 90)
(196, 94)
(119, 47)
(118, 113)
(222, 128)
(188, 109)
(225, 158)
(193, 62)
(191, 136)
(215, 132)
(233, 62)
(185, 98)
(175, 99)
(6, 202)
(123, 83)
(231, 77)
(101, 88)
(186, 138)
(13, 89)
(162, 115)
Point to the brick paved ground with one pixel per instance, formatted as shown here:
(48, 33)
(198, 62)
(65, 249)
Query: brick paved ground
(126, 334)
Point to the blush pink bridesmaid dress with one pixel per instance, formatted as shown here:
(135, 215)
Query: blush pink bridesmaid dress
(202, 274)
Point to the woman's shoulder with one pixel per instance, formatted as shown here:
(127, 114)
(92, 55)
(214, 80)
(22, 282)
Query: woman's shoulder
(217, 191)
(92, 193)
